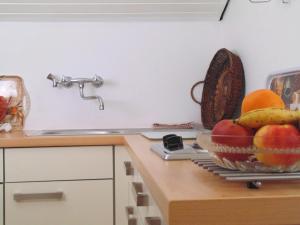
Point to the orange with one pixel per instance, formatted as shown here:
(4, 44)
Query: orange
(260, 99)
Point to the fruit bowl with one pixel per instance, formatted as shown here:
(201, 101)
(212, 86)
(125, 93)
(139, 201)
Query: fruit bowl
(251, 158)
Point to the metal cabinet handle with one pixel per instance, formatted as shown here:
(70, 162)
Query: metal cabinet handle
(38, 196)
(153, 221)
(128, 168)
(142, 199)
(130, 216)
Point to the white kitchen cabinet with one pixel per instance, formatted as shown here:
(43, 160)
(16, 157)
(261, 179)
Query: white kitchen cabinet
(1, 204)
(126, 210)
(59, 203)
(121, 184)
(132, 192)
(73, 186)
(59, 186)
(60, 163)
(1, 165)
(1, 187)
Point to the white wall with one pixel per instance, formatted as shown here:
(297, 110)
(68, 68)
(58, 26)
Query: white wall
(148, 68)
(266, 36)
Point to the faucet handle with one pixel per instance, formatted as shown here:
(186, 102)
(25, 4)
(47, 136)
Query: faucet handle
(66, 81)
(53, 79)
(98, 81)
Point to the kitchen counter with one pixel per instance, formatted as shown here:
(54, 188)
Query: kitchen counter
(19, 139)
(185, 193)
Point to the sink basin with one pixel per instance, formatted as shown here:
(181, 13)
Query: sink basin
(71, 132)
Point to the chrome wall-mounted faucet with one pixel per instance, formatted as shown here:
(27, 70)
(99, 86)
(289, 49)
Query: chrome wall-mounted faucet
(66, 81)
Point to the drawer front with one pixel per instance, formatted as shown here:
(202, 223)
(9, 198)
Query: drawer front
(121, 185)
(60, 203)
(61, 163)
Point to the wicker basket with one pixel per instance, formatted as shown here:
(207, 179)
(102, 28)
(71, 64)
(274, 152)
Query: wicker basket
(224, 89)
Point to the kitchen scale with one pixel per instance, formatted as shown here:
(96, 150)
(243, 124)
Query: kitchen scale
(188, 152)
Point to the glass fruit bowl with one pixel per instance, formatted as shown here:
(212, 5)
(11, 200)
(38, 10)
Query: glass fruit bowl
(250, 154)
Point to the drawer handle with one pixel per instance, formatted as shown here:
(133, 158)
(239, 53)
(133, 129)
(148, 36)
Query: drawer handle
(153, 221)
(128, 168)
(130, 216)
(142, 198)
(18, 197)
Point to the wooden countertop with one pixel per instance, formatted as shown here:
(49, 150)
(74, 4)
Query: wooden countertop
(187, 194)
(19, 139)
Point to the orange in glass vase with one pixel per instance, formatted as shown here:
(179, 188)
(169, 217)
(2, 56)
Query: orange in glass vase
(3, 108)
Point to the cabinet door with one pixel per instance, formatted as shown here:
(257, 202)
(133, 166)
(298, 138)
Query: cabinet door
(59, 203)
(122, 184)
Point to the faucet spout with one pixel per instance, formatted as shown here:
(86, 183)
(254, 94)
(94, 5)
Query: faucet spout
(101, 102)
(100, 99)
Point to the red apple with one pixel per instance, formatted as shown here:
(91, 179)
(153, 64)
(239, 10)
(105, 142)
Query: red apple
(277, 137)
(228, 133)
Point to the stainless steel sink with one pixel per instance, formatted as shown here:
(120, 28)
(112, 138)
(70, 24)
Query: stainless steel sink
(81, 132)
(71, 132)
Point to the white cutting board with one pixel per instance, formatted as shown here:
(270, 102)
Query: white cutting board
(158, 135)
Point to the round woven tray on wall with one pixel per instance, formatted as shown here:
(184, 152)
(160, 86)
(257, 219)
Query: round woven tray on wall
(224, 89)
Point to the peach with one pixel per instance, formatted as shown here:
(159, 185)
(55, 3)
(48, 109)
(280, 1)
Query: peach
(277, 137)
(228, 133)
